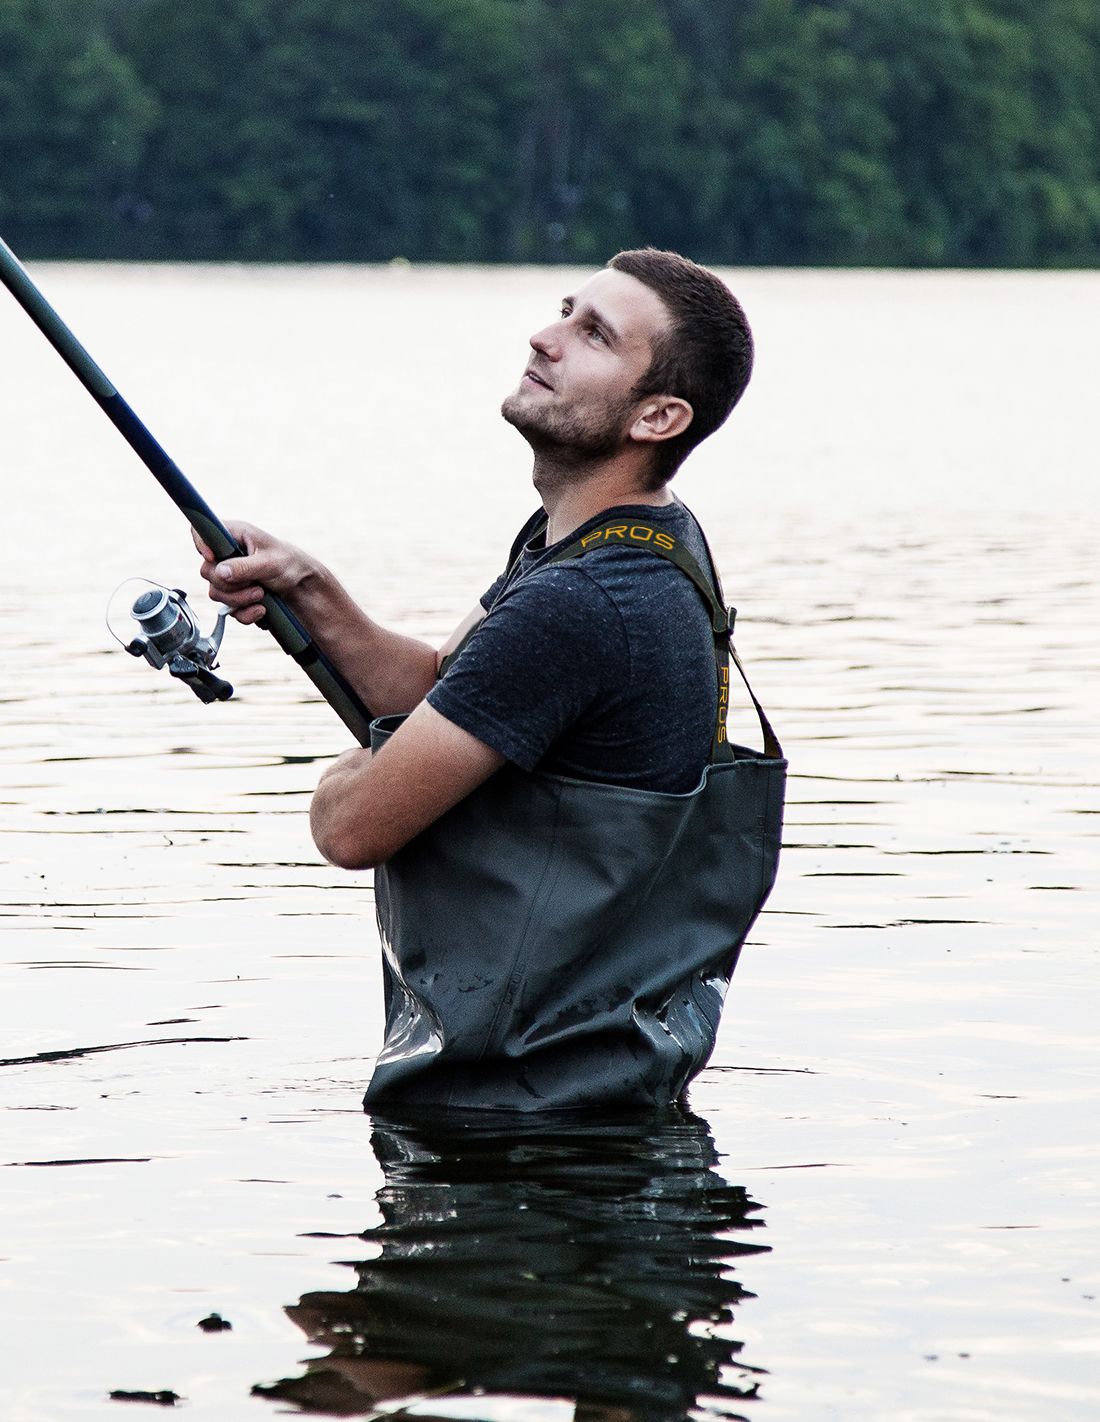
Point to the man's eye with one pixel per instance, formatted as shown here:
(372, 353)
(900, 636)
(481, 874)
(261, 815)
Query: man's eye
(597, 335)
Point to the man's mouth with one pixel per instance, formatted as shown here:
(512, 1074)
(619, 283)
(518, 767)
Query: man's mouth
(536, 379)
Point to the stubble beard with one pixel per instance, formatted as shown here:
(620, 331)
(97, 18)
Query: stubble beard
(567, 440)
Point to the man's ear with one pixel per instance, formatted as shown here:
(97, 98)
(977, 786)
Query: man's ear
(661, 417)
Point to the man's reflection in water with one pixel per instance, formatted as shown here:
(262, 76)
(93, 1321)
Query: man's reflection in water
(585, 1261)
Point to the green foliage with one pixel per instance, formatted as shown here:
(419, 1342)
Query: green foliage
(74, 117)
(359, 129)
(810, 179)
(948, 132)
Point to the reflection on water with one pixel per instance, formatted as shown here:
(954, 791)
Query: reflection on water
(585, 1262)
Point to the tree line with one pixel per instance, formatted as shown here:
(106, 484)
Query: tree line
(866, 132)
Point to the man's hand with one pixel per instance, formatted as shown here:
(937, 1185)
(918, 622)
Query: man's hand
(269, 565)
(367, 806)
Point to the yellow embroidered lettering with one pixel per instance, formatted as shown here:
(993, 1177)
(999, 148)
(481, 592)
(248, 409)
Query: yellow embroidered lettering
(619, 531)
(664, 540)
(640, 533)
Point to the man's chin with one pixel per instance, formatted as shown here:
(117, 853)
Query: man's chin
(519, 415)
(548, 433)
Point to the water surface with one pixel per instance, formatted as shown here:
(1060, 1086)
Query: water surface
(883, 1201)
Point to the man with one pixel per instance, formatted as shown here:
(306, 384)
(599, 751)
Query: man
(584, 679)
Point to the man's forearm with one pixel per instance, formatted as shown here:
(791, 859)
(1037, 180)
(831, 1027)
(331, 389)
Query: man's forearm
(390, 671)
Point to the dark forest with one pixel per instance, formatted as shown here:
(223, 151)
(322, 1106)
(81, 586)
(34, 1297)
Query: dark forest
(747, 132)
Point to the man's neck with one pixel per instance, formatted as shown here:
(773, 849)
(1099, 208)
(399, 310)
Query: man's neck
(574, 500)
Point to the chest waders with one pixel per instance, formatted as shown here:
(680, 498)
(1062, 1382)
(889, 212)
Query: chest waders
(555, 943)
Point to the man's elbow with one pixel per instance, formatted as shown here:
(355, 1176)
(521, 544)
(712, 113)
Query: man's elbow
(350, 844)
(349, 853)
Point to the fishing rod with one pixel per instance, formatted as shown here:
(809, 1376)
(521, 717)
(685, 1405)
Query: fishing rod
(170, 634)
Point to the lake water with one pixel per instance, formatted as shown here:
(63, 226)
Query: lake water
(883, 1203)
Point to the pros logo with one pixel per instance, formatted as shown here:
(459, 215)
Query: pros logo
(629, 533)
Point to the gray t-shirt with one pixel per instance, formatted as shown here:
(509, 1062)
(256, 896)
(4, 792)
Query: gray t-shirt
(601, 668)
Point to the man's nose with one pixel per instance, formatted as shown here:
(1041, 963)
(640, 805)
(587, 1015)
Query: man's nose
(548, 341)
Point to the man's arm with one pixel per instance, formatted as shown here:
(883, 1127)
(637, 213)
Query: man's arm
(390, 671)
(367, 806)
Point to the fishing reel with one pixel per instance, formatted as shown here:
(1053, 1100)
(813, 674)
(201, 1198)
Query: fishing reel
(170, 637)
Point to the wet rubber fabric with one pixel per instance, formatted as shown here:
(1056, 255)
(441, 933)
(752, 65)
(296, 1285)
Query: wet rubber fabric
(554, 943)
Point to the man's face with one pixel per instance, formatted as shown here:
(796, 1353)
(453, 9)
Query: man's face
(576, 395)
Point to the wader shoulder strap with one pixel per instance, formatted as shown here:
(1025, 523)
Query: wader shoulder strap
(647, 539)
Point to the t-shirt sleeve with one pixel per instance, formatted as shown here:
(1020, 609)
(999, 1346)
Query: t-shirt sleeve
(489, 596)
(545, 653)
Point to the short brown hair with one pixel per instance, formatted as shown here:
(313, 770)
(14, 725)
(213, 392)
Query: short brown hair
(705, 357)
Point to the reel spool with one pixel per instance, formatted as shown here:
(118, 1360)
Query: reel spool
(170, 637)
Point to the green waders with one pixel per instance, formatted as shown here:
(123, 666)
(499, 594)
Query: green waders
(554, 943)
